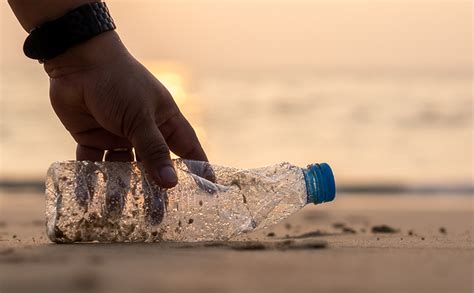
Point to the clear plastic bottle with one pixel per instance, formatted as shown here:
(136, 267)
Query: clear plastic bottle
(115, 202)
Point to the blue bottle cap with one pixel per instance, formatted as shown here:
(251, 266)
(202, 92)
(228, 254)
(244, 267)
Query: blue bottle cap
(320, 184)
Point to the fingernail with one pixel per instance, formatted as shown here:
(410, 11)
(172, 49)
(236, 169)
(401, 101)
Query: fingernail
(168, 176)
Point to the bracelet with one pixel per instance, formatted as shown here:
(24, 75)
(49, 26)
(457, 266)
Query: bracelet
(54, 37)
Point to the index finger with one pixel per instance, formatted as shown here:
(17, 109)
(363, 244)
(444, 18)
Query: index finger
(182, 139)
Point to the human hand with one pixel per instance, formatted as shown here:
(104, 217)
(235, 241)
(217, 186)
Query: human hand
(107, 100)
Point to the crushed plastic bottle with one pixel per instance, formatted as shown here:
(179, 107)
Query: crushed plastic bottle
(116, 202)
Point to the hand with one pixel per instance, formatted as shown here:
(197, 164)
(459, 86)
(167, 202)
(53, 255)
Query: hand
(107, 100)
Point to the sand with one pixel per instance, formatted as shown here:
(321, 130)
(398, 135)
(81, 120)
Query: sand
(426, 247)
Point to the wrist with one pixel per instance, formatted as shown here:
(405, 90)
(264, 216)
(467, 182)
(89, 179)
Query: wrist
(98, 51)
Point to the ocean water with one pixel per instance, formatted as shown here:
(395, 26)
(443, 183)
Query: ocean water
(371, 127)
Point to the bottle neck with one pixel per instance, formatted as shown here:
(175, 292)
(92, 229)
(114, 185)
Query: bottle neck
(320, 183)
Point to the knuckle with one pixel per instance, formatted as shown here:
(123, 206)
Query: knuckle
(155, 151)
(192, 150)
(134, 121)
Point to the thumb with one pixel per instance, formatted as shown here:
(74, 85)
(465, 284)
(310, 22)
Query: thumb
(154, 153)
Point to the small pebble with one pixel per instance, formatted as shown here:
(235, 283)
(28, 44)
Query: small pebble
(271, 234)
(442, 230)
(383, 229)
(338, 225)
(348, 230)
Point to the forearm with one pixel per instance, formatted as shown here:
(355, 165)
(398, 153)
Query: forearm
(32, 13)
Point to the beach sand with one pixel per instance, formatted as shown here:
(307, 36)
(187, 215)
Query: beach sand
(327, 248)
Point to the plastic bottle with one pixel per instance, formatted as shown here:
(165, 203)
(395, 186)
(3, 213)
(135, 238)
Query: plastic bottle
(115, 202)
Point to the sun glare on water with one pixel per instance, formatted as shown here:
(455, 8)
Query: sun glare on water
(173, 77)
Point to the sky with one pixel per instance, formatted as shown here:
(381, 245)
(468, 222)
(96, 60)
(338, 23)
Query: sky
(306, 35)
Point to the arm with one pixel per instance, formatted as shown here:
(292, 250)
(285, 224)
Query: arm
(32, 13)
(107, 100)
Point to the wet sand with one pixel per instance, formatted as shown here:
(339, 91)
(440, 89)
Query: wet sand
(356, 244)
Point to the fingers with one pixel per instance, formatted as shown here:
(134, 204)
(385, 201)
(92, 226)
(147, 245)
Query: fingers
(85, 153)
(100, 138)
(121, 155)
(150, 144)
(202, 169)
(182, 139)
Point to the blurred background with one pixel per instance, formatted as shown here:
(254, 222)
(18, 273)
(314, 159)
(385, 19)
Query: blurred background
(381, 90)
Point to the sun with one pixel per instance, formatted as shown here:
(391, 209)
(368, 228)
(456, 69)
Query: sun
(173, 77)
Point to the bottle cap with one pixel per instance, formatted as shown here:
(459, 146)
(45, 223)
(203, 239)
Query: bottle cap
(320, 184)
